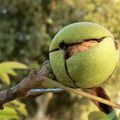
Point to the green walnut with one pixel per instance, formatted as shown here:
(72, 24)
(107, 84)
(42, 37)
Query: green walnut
(83, 55)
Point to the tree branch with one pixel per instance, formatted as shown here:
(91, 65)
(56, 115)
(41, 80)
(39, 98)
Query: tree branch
(33, 80)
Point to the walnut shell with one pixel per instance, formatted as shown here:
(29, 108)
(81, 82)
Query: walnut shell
(87, 65)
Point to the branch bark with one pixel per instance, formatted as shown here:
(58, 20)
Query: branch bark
(33, 80)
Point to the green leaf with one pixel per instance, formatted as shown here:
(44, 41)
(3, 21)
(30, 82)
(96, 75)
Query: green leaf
(98, 115)
(8, 113)
(20, 107)
(11, 72)
(14, 65)
(4, 69)
(7, 68)
(5, 78)
(12, 109)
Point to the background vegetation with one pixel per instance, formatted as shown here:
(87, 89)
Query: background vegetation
(26, 31)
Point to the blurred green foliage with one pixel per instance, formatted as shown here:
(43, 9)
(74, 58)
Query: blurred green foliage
(15, 109)
(22, 33)
(28, 26)
(7, 68)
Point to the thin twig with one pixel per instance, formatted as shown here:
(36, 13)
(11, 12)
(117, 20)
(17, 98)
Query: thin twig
(82, 93)
(40, 91)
